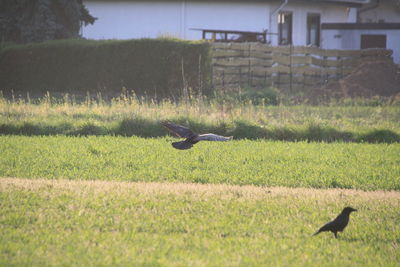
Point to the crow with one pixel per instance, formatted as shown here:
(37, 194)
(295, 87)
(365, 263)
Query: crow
(191, 137)
(338, 224)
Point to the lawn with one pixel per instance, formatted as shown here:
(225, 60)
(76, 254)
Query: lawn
(243, 162)
(103, 223)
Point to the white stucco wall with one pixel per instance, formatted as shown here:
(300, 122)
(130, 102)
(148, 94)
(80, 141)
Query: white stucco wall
(137, 19)
(125, 20)
(351, 39)
(328, 13)
(386, 12)
(223, 16)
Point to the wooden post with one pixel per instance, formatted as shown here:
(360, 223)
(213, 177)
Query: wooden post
(279, 80)
(265, 79)
(272, 80)
(249, 81)
(290, 67)
(308, 64)
(200, 80)
(325, 67)
(321, 77)
(240, 76)
(223, 78)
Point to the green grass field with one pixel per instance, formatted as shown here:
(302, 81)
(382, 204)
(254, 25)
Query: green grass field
(79, 187)
(95, 223)
(267, 163)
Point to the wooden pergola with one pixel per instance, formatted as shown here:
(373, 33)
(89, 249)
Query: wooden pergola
(233, 36)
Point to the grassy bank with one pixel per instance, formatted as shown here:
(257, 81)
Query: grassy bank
(301, 164)
(114, 223)
(127, 116)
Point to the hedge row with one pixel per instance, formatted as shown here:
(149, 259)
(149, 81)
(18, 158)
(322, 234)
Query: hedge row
(151, 67)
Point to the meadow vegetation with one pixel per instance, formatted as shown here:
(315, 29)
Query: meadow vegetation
(103, 223)
(90, 182)
(128, 115)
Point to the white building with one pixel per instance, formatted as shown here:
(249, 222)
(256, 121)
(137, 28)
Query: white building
(377, 26)
(330, 24)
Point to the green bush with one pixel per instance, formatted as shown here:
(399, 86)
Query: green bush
(149, 67)
(260, 96)
(250, 95)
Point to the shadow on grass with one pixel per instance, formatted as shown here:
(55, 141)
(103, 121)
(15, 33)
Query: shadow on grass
(139, 127)
(31, 129)
(366, 239)
(239, 129)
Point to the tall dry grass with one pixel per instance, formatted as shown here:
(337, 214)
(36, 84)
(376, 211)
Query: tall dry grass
(130, 115)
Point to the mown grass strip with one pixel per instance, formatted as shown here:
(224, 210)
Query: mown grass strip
(92, 223)
(243, 162)
(194, 190)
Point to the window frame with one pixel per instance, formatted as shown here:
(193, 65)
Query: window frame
(284, 15)
(308, 33)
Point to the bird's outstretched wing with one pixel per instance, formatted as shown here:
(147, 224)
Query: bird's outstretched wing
(213, 137)
(182, 145)
(178, 130)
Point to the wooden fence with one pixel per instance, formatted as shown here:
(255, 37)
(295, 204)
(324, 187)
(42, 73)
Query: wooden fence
(288, 68)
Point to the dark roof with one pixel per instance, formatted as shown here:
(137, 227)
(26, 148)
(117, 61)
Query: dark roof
(360, 26)
(334, 1)
(350, 3)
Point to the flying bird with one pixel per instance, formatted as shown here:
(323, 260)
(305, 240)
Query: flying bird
(191, 137)
(339, 223)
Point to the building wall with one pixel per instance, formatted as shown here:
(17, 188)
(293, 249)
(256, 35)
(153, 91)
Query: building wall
(328, 12)
(135, 19)
(223, 16)
(351, 39)
(125, 20)
(385, 12)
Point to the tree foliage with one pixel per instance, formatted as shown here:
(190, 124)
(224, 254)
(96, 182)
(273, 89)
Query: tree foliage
(23, 21)
(397, 2)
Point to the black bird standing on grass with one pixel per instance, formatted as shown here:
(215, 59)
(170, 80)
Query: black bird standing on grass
(338, 224)
(191, 137)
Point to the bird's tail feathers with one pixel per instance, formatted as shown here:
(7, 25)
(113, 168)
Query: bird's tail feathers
(213, 137)
(317, 232)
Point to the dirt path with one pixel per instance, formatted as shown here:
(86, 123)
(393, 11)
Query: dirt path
(191, 190)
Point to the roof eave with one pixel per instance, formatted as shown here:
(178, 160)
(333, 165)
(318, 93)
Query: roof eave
(360, 26)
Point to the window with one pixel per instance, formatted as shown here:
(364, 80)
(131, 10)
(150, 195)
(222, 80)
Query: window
(313, 29)
(373, 41)
(285, 28)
